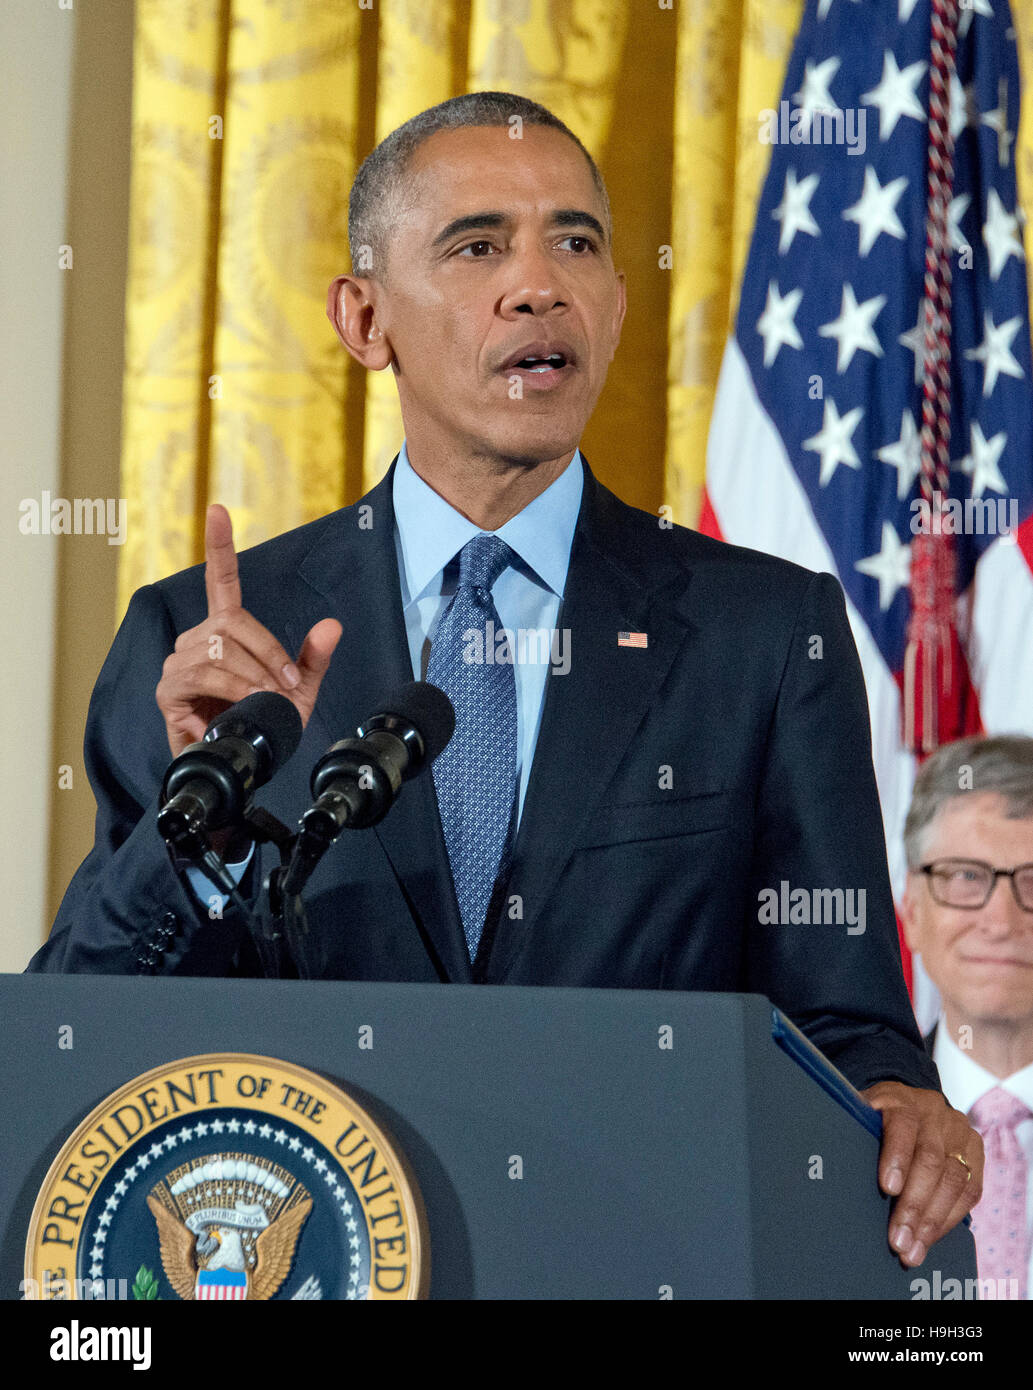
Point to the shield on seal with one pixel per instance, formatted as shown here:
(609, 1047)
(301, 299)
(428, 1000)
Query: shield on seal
(220, 1283)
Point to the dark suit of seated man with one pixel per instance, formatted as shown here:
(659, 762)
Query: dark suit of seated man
(630, 809)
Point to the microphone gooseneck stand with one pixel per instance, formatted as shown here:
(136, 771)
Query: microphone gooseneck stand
(190, 847)
(355, 784)
(355, 791)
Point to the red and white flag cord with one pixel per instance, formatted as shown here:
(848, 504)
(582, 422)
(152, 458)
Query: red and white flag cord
(933, 671)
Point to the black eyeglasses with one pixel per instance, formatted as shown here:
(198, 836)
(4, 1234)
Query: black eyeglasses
(970, 883)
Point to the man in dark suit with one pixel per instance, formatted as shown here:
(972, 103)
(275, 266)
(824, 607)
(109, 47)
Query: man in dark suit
(617, 818)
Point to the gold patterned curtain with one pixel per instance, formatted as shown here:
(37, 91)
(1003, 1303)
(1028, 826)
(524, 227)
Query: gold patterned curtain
(250, 118)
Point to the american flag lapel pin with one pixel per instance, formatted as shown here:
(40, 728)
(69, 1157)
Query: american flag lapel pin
(633, 639)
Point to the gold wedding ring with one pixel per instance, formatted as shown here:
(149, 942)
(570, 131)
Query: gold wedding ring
(968, 1170)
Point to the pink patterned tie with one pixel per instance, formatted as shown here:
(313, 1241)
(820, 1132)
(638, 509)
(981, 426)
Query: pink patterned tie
(999, 1218)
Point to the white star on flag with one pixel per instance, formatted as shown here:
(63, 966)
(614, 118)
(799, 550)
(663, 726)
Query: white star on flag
(905, 10)
(955, 212)
(895, 96)
(969, 10)
(905, 454)
(981, 463)
(794, 211)
(1001, 234)
(833, 440)
(963, 110)
(891, 566)
(776, 325)
(997, 120)
(853, 329)
(995, 350)
(825, 5)
(875, 210)
(914, 341)
(814, 95)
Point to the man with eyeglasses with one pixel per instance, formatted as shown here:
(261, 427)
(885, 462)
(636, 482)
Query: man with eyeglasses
(968, 909)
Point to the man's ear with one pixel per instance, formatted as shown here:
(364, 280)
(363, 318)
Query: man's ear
(351, 307)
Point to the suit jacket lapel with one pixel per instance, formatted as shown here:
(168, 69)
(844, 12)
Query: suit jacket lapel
(351, 574)
(591, 713)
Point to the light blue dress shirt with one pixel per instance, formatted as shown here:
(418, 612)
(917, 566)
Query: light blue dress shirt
(429, 534)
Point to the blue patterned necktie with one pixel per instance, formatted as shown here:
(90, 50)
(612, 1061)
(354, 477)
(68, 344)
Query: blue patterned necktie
(475, 776)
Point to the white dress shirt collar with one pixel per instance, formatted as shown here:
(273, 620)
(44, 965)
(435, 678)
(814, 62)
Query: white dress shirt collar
(965, 1081)
(431, 531)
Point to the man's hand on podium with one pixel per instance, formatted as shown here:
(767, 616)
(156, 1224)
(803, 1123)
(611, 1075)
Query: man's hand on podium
(231, 654)
(931, 1161)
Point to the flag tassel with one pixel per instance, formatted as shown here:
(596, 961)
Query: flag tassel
(931, 695)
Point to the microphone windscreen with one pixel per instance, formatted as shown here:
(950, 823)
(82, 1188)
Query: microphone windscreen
(426, 707)
(267, 713)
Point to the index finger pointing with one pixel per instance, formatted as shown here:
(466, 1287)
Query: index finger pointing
(220, 572)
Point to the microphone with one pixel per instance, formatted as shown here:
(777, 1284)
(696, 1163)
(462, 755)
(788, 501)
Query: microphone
(210, 784)
(357, 780)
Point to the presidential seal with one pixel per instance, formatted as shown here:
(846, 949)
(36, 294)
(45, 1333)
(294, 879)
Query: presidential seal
(228, 1176)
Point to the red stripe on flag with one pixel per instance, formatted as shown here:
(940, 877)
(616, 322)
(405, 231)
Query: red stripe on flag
(1025, 539)
(905, 959)
(708, 522)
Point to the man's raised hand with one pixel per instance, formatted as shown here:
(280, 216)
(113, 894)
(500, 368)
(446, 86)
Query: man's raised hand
(231, 654)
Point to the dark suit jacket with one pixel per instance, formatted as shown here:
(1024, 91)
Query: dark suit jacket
(619, 880)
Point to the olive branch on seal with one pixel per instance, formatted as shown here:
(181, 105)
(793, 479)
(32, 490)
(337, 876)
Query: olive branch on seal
(145, 1285)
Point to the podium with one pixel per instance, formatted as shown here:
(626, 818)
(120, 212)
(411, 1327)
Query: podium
(567, 1143)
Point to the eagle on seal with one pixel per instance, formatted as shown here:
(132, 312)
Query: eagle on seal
(185, 1257)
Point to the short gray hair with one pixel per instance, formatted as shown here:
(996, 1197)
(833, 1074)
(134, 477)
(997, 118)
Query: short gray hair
(1002, 764)
(379, 184)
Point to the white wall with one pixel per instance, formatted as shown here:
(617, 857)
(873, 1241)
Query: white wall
(37, 44)
(65, 155)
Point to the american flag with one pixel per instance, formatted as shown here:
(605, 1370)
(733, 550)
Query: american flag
(814, 449)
